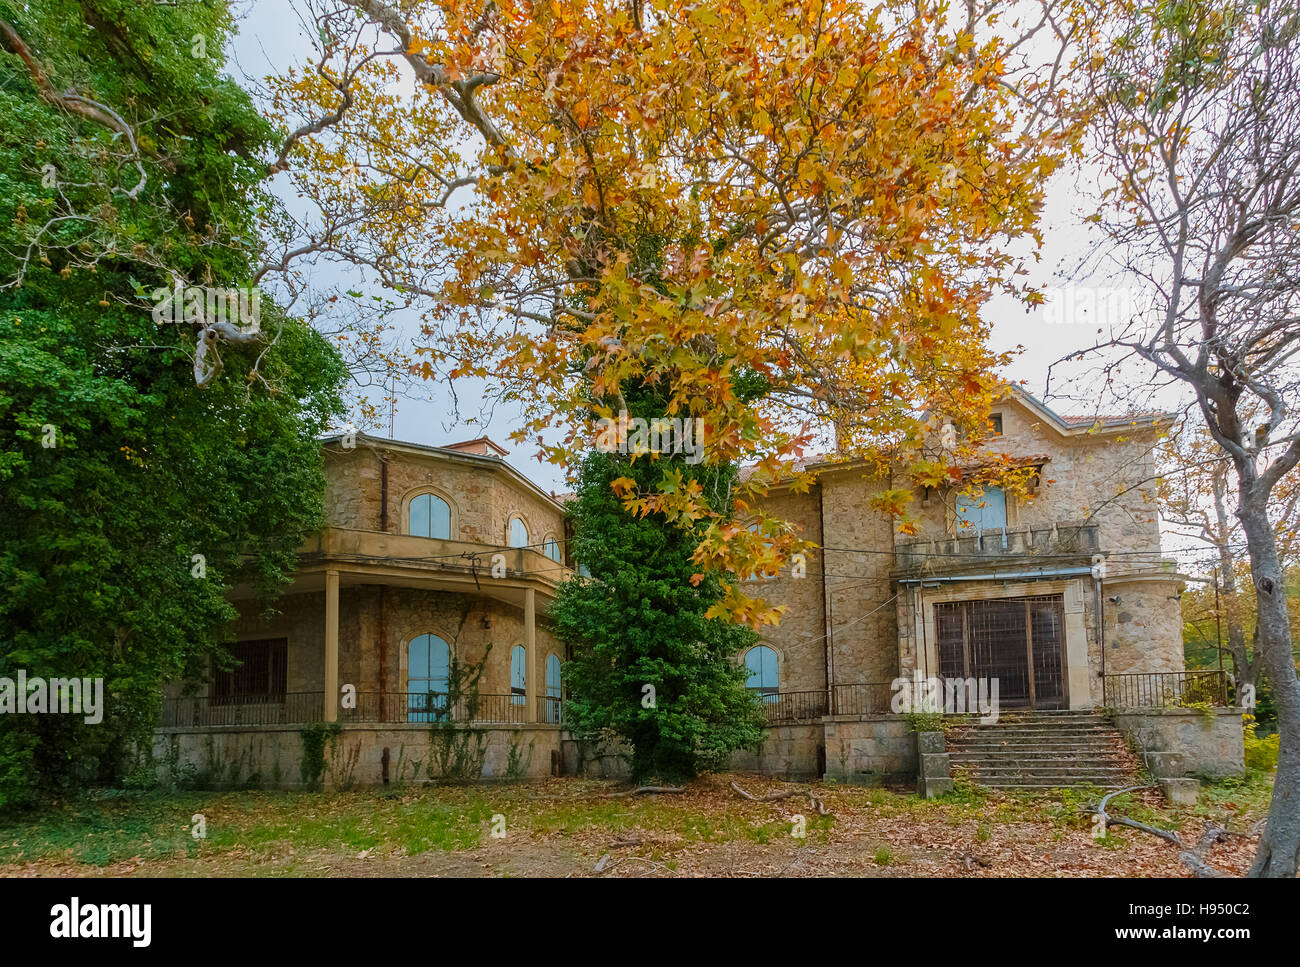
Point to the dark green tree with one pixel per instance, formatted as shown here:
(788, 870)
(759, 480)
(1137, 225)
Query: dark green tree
(130, 499)
(638, 621)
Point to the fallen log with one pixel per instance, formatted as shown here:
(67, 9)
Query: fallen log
(644, 791)
(1189, 856)
(787, 794)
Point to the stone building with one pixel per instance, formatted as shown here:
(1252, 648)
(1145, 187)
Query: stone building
(990, 582)
(1058, 597)
(435, 558)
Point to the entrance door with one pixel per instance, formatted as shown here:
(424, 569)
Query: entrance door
(1017, 641)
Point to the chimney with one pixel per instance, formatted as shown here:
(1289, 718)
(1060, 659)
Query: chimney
(481, 447)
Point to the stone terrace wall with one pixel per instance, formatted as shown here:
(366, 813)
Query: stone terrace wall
(1187, 743)
(271, 757)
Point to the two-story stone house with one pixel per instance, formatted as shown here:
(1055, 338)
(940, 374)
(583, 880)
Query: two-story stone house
(431, 556)
(990, 583)
(437, 556)
(1059, 597)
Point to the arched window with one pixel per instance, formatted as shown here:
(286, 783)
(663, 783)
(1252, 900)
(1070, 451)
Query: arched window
(428, 670)
(429, 516)
(518, 676)
(760, 662)
(553, 688)
(981, 512)
(518, 533)
(551, 548)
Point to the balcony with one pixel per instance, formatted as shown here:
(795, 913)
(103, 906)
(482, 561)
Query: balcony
(455, 559)
(1056, 543)
(859, 698)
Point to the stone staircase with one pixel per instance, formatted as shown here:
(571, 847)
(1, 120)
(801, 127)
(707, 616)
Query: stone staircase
(1042, 750)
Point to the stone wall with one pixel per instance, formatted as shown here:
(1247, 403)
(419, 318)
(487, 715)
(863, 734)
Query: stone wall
(1187, 743)
(1105, 476)
(271, 757)
(799, 638)
(1144, 628)
(872, 749)
(789, 751)
(483, 494)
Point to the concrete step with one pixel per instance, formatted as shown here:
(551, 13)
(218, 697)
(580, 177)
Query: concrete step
(1046, 787)
(1014, 729)
(1043, 750)
(1008, 748)
(1070, 775)
(1045, 759)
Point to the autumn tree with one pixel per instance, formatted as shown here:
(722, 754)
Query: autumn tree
(587, 199)
(1199, 132)
(1197, 495)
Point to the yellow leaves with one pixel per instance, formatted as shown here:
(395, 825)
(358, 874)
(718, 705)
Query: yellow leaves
(662, 203)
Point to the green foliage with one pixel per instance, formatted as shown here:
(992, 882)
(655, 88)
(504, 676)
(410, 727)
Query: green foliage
(115, 471)
(1261, 753)
(924, 721)
(315, 741)
(457, 749)
(639, 621)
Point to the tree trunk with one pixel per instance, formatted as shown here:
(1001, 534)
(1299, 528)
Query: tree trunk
(1279, 847)
(1242, 667)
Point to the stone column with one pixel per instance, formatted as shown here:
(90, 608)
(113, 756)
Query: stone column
(331, 709)
(531, 703)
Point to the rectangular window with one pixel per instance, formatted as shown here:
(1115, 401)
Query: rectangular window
(260, 676)
(995, 420)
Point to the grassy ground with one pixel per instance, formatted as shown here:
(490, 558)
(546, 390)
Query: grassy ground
(564, 827)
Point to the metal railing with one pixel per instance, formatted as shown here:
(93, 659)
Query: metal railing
(862, 698)
(293, 708)
(1166, 689)
(857, 698)
(794, 706)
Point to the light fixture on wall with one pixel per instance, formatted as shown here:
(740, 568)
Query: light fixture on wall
(1113, 599)
(486, 621)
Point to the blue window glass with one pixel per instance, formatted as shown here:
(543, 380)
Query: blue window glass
(551, 548)
(428, 674)
(981, 512)
(760, 662)
(430, 517)
(518, 676)
(518, 533)
(553, 688)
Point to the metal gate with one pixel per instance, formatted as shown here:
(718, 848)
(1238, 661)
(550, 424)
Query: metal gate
(1017, 641)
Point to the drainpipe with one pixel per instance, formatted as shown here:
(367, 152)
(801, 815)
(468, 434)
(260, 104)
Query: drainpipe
(383, 494)
(1098, 573)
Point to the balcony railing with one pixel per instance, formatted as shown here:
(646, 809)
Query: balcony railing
(386, 708)
(294, 708)
(1166, 689)
(431, 554)
(861, 698)
(977, 549)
